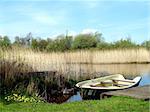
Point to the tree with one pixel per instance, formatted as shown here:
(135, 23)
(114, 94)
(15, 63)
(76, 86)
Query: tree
(42, 44)
(25, 41)
(98, 37)
(34, 44)
(20, 41)
(51, 46)
(83, 41)
(17, 41)
(5, 42)
(124, 43)
(146, 44)
(28, 39)
(61, 43)
(103, 45)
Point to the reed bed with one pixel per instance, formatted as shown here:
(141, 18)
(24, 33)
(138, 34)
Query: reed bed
(72, 62)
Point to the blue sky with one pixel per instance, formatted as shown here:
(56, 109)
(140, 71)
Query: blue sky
(114, 19)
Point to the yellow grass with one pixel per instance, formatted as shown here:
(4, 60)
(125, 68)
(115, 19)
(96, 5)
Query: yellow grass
(69, 61)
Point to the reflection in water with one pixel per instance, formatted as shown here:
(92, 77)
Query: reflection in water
(131, 69)
(88, 71)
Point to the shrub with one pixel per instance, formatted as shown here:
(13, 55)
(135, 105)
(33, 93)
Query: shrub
(124, 43)
(5, 42)
(61, 43)
(83, 41)
(34, 44)
(104, 45)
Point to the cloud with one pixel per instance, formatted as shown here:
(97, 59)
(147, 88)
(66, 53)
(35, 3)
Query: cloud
(40, 15)
(92, 4)
(88, 31)
(47, 19)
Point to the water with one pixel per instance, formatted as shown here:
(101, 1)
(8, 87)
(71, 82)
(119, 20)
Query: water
(145, 79)
(76, 97)
(129, 70)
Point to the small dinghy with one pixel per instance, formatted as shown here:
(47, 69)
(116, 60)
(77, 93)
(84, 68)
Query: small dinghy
(112, 82)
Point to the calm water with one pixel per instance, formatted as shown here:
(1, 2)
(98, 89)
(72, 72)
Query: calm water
(129, 70)
(145, 79)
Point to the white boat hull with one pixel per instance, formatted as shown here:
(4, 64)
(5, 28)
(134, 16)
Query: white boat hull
(91, 84)
(94, 87)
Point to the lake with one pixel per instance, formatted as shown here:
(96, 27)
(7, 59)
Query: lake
(129, 71)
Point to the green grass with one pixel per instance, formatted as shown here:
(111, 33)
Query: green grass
(114, 104)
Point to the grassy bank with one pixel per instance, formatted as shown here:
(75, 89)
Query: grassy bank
(114, 104)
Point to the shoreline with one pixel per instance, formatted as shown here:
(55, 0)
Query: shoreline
(110, 63)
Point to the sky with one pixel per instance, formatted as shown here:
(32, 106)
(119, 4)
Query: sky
(115, 19)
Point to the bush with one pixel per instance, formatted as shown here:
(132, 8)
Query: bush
(5, 42)
(124, 43)
(34, 44)
(40, 44)
(84, 41)
(61, 43)
(104, 45)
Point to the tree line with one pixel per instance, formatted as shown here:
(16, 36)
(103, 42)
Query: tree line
(66, 43)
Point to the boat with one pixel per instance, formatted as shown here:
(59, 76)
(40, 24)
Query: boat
(107, 83)
(112, 82)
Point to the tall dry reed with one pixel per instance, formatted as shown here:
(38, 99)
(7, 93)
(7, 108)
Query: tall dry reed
(71, 62)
